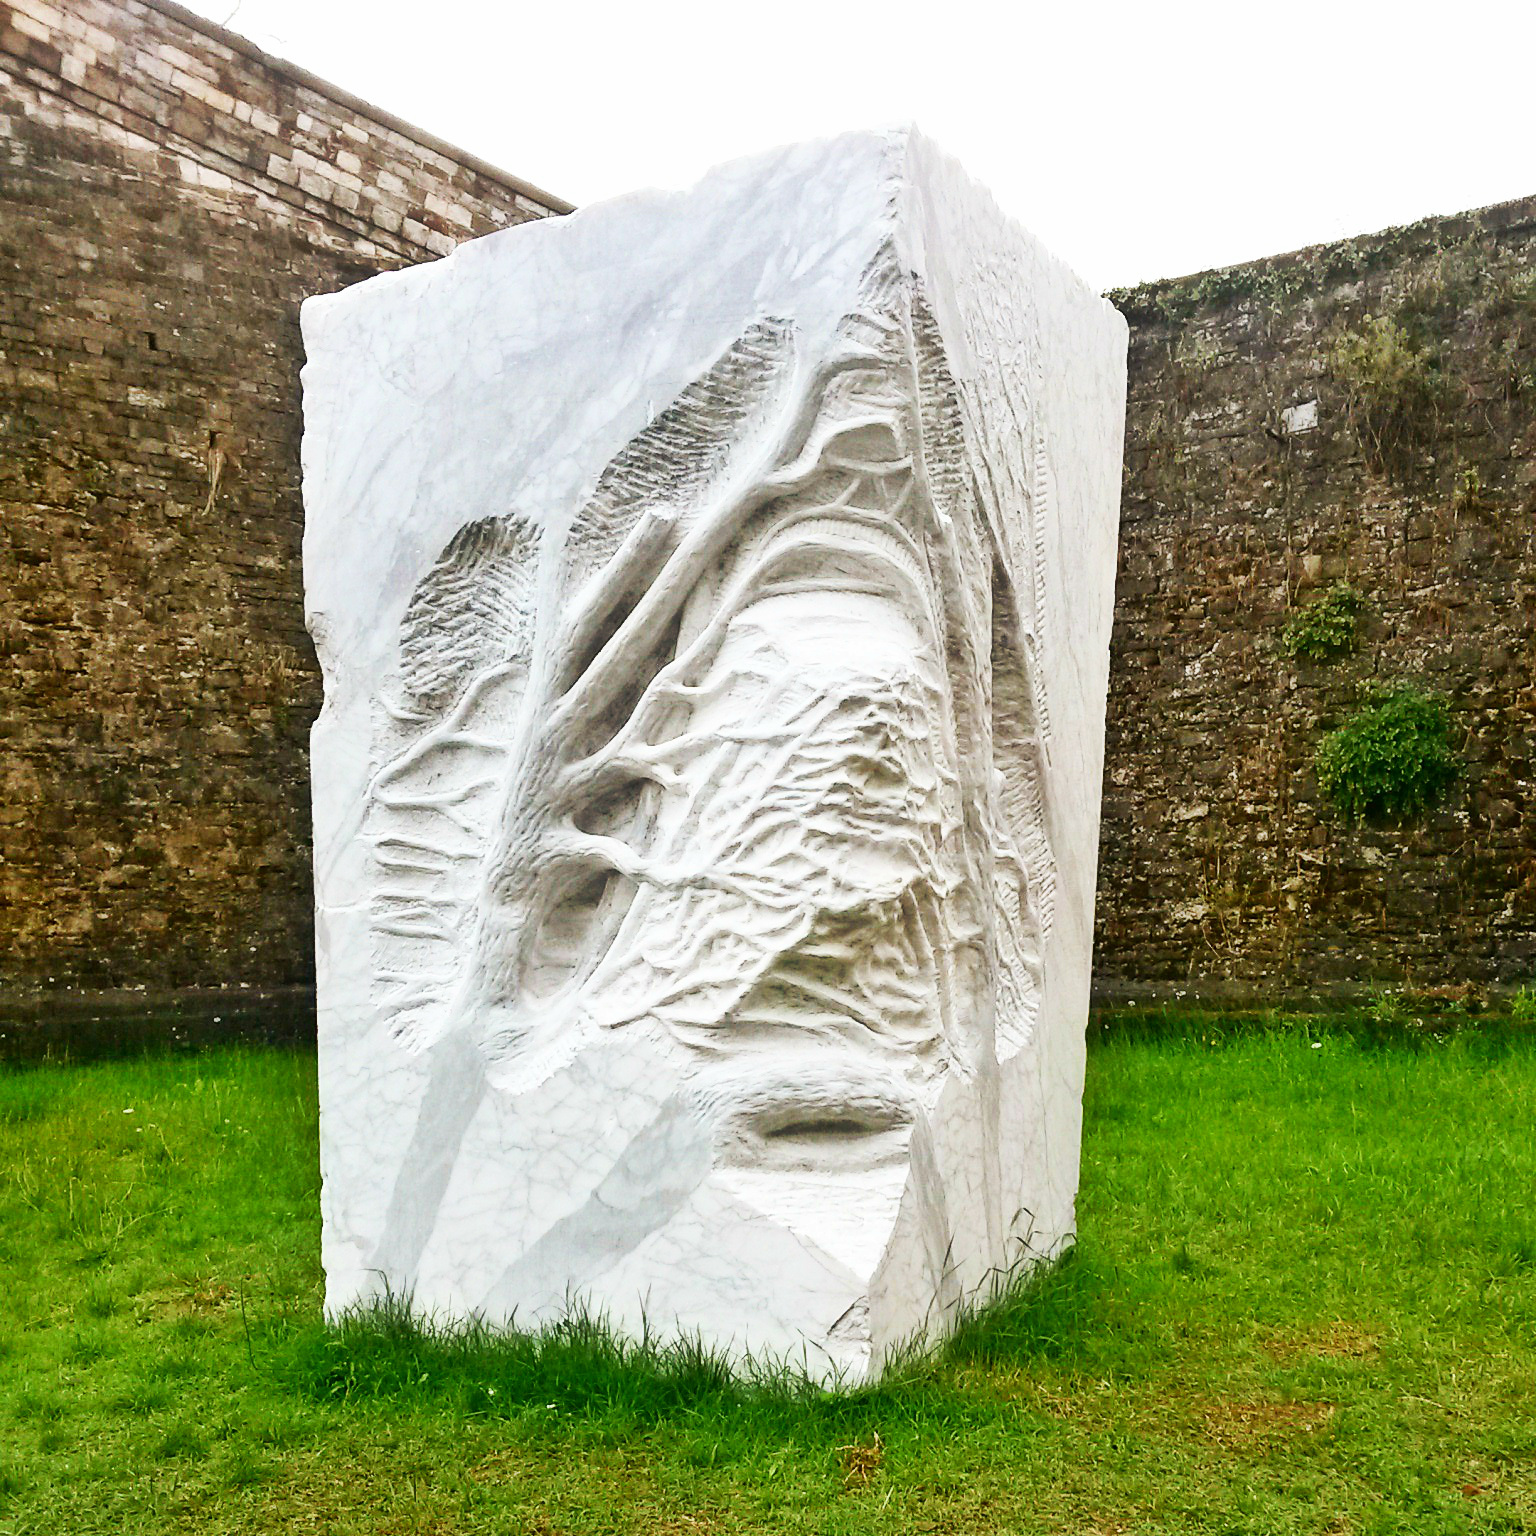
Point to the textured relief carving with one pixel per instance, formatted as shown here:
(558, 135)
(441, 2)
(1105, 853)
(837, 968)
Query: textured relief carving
(704, 827)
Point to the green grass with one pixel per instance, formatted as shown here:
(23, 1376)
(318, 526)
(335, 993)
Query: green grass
(1304, 1300)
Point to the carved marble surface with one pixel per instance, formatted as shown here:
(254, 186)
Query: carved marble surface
(713, 591)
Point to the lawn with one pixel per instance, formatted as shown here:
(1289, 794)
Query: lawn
(1304, 1300)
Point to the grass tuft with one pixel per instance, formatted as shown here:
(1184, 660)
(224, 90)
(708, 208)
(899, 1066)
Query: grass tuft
(1050, 1313)
(181, 1441)
(578, 1365)
(12, 1482)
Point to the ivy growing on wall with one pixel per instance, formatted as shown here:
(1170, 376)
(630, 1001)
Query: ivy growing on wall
(1392, 761)
(1324, 629)
(1394, 386)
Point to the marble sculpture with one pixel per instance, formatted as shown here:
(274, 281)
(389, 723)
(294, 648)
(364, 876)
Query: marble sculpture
(713, 592)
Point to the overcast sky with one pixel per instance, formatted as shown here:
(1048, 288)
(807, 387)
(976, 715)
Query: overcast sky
(1137, 141)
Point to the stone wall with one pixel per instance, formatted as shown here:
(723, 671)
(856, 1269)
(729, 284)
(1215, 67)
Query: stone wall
(1360, 413)
(167, 196)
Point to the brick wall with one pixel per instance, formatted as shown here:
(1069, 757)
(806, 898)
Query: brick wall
(1223, 869)
(168, 195)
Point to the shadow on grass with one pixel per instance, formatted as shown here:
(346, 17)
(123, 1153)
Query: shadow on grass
(580, 1367)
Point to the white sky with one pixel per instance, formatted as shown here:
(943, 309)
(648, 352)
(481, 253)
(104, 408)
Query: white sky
(1137, 141)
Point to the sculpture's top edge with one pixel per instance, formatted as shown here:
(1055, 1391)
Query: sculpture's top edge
(865, 156)
(900, 159)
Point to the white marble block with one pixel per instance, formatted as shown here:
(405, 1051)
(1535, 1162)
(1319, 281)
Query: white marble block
(713, 591)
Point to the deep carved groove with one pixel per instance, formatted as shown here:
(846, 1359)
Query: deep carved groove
(570, 810)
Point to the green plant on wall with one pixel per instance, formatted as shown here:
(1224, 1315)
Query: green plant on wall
(1385, 1007)
(1392, 761)
(1268, 285)
(1394, 387)
(1515, 369)
(1468, 494)
(1326, 628)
